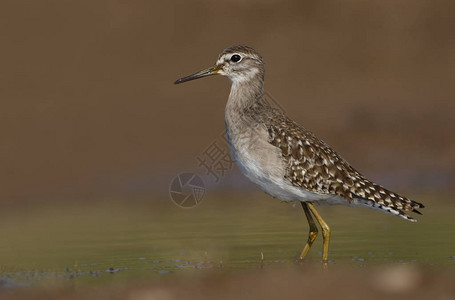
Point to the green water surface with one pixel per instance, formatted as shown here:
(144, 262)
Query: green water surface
(114, 240)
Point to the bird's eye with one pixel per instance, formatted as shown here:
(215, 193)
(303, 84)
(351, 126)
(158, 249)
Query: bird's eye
(236, 58)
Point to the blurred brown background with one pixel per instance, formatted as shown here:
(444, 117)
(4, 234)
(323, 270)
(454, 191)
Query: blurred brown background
(88, 107)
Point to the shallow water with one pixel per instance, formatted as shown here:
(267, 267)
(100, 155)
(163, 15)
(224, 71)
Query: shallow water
(116, 240)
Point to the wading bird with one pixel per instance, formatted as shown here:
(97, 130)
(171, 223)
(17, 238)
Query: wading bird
(286, 160)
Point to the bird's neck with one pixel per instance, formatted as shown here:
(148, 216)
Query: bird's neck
(243, 95)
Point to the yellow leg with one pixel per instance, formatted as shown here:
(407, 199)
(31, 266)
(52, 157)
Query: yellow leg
(325, 233)
(313, 231)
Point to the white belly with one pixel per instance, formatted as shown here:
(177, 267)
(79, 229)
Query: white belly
(262, 163)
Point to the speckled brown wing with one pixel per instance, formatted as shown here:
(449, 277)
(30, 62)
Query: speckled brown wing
(314, 166)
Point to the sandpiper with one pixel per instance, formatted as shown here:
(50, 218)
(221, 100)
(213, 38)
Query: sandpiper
(286, 160)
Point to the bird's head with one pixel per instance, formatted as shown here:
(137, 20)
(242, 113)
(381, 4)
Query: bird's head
(238, 63)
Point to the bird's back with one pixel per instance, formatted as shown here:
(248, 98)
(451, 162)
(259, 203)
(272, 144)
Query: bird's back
(312, 165)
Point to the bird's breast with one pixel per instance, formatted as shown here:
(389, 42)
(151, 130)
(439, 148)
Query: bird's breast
(259, 161)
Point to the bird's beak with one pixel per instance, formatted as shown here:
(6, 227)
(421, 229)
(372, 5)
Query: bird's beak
(207, 72)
